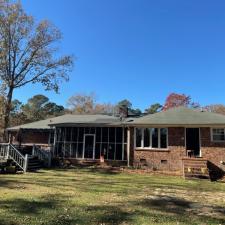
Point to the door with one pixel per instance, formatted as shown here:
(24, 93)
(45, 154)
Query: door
(89, 146)
(193, 140)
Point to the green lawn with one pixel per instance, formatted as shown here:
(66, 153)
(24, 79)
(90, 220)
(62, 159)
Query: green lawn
(89, 196)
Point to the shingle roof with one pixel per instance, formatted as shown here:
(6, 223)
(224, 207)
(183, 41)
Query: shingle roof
(180, 116)
(70, 119)
(42, 124)
(85, 119)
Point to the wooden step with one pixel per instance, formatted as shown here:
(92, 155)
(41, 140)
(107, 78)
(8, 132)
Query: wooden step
(34, 164)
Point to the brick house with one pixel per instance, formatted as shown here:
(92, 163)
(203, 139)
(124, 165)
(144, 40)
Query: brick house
(178, 140)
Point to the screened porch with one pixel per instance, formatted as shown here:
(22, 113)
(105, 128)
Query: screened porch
(91, 143)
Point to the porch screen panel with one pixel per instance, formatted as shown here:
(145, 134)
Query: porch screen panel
(98, 144)
(60, 149)
(112, 136)
(125, 152)
(67, 150)
(119, 135)
(81, 134)
(111, 151)
(98, 136)
(74, 150)
(109, 141)
(105, 150)
(119, 151)
(119, 143)
(74, 134)
(80, 150)
(68, 134)
(97, 150)
(105, 134)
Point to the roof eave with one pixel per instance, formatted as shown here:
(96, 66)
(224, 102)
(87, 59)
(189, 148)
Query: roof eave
(174, 125)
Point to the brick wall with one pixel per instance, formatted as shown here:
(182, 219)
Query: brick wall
(30, 137)
(212, 151)
(160, 159)
(171, 159)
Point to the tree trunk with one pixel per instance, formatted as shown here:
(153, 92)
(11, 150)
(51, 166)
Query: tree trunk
(7, 111)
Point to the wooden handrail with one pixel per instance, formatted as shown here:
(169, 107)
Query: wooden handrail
(8, 151)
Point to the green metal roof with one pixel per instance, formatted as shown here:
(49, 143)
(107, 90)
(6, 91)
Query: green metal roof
(69, 119)
(180, 116)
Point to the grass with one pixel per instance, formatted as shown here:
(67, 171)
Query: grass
(91, 196)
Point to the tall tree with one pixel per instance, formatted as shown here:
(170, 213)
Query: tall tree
(39, 107)
(154, 108)
(29, 53)
(17, 116)
(124, 108)
(175, 100)
(125, 103)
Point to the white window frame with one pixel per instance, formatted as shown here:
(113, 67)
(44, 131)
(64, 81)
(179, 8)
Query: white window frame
(150, 147)
(211, 131)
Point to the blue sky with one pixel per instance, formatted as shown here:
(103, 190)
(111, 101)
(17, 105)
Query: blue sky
(141, 50)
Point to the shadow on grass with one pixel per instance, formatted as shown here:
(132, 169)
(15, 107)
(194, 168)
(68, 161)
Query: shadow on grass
(50, 210)
(23, 206)
(182, 208)
(92, 169)
(108, 215)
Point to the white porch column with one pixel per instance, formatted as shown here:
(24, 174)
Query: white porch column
(128, 147)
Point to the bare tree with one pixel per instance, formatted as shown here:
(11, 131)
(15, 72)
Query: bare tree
(105, 108)
(216, 108)
(82, 103)
(86, 104)
(28, 53)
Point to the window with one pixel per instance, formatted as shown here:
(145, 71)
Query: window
(163, 138)
(147, 133)
(218, 134)
(155, 137)
(138, 137)
(151, 138)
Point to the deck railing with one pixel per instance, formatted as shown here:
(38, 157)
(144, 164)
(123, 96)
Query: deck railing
(44, 155)
(4, 151)
(8, 151)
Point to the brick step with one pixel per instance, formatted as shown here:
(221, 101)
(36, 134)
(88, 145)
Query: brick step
(195, 162)
(195, 168)
(195, 165)
(197, 172)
